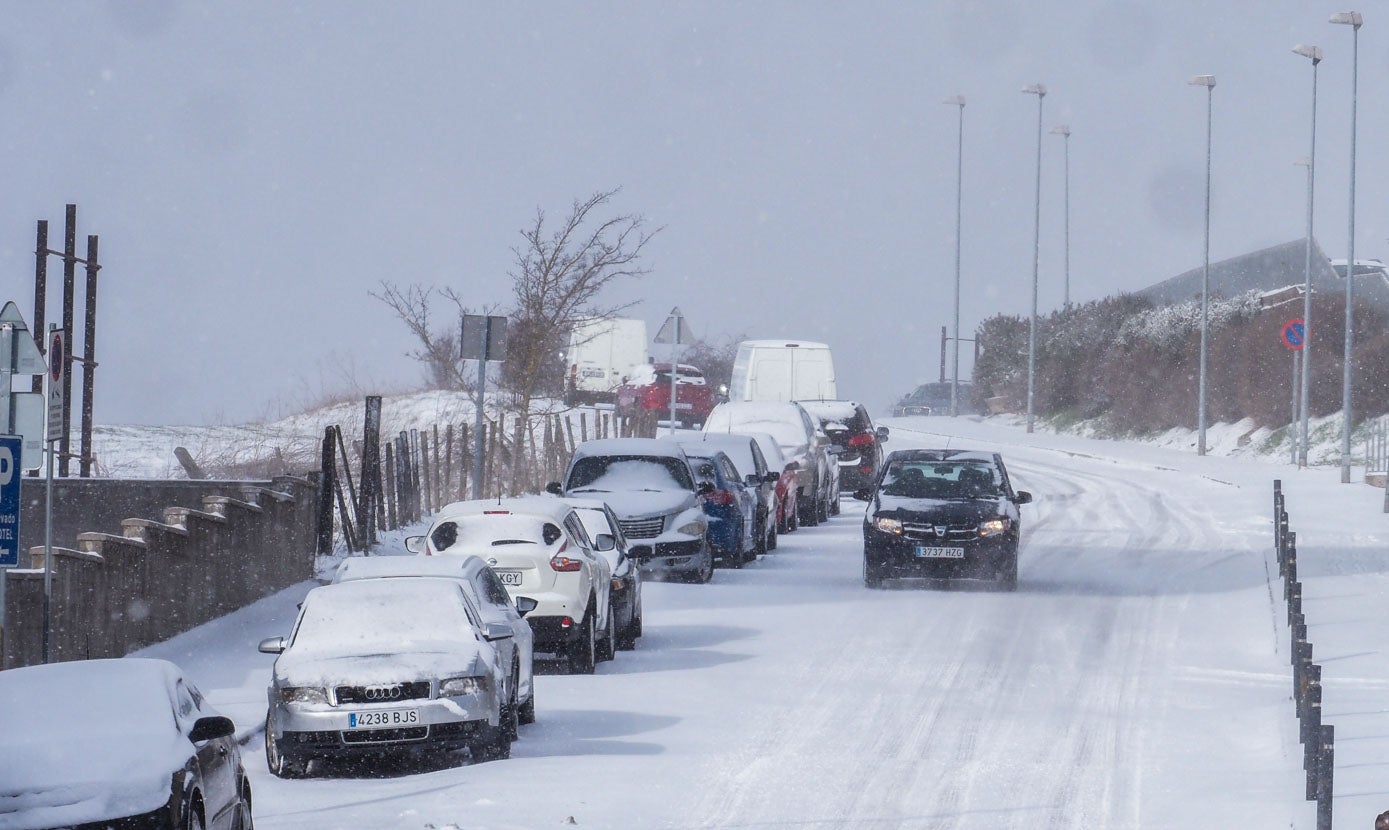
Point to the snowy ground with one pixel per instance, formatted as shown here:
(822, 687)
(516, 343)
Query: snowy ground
(1139, 677)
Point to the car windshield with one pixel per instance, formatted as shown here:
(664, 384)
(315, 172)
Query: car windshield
(940, 480)
(380, 616)
(628, 473)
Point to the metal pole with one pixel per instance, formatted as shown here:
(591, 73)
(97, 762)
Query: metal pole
(40, 295)
(89, 358)
(1066, 296)
(674, 368)
(51, 440)
(1297, 372)
(1041, 93)
(1307, 287)
(1350, 265)
(69, 286)
(959, 212)
(9, 350)
(478, 446)
(1205, 280)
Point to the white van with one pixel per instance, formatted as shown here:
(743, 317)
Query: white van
(782, 370)
(602, 354)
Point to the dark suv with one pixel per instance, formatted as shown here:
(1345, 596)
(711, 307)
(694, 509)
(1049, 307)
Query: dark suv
(850, 428)
(946, 514)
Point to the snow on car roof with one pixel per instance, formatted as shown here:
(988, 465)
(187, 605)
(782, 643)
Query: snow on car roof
(94, 740)
(378, 567)
(831, 409)
(781, 344)
(629, 446)
(544, 506)
(771, 450)
(737, 447)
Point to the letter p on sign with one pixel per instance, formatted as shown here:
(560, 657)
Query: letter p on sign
(6, 466)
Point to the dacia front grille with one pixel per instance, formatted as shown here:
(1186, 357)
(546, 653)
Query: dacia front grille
(927, 533)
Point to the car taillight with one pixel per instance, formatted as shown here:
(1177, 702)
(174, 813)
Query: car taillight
(721, 497)
(863, 439)
(563, 563)
(865, 469)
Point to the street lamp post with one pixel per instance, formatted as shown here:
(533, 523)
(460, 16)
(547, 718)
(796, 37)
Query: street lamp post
(1353, 20)
(957, 101)
(1207, 81)
(1313, 54)
(1065, 132)
(1041, 92)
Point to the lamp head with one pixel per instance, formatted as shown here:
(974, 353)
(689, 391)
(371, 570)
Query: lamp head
(1063, 129)
(1347, 19)
(1207, 81)
(1039, 90)
(1310, 52)
(955, 101)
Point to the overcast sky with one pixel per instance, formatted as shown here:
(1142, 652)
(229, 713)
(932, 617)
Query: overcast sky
(254, 169)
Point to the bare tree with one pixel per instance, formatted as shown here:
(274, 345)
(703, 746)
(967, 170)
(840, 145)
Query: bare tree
(438, 349)
(559, 276)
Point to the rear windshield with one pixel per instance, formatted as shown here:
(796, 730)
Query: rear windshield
(940, 480)
(628, 473)
(492, 530)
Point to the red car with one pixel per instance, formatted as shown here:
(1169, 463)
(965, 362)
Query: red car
(649, 391)
(786, 486)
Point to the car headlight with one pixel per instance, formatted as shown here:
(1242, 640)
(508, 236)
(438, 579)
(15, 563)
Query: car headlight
(887, 525)
(303, 694)
(993, 527)
(457, 686)
(694, 528)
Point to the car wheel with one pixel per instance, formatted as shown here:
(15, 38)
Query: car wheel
(704, 574)
(582, 651)
(793, 519)
(627, 638)
(607, 646)
(495, 744)
(834, 505)
(511, 713)
(281, 765)
(772, 533)
(1008, 575)
(525, 713)
(194, 819)
(822, 510)
(872, 575)
(810, 514)
(243, 820)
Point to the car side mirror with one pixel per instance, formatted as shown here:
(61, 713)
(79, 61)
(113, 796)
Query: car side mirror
(415, 544)
(496, 631)
(209, 728)
(554, 489)
(1022, 497)
(753, 479)
(604, 542)
(864, 494)
(773, 476)
(272, 645)
(705, 489)
(882, 434)
(525, 605)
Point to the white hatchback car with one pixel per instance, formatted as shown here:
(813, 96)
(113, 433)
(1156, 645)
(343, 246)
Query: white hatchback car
(488, 601)
(539, 549)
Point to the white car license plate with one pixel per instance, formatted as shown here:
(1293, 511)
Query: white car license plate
(387, 718)
(509, 577)
(923, 552)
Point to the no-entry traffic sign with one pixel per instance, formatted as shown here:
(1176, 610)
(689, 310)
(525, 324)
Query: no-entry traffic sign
(1295, 334)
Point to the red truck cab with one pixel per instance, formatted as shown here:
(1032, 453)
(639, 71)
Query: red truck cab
(649, 391)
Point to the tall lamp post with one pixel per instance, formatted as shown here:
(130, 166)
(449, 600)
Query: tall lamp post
(957, 101)
(1041, 92)
(1313, 54)
(1065, 132)
(1207, 81)
(1353, 20)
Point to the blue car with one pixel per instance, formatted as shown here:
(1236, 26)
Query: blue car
(731, 508)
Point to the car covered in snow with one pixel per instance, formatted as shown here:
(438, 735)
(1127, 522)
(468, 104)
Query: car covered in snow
(850, 428)
(649, 485)
(396, 664)
(802, 442)
(787, 485)
(606, 532)
(538, 549)
(124, 743)
(944, 514)
(487, 598)
(750, 464)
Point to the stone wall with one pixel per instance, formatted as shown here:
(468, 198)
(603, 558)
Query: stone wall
(152, 578)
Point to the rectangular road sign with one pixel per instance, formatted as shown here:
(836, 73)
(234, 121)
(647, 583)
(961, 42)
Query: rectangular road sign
(482, 334)
(10, 460)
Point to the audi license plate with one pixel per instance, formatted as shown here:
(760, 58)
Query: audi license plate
(388, 718)
(509, 577)
(924, 552)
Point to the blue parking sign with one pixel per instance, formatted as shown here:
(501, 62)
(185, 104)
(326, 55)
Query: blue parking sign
(10, 447)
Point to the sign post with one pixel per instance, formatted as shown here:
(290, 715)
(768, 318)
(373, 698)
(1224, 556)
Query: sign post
(674, 332)
(1294, 337)
(482, 338)
(57, 367)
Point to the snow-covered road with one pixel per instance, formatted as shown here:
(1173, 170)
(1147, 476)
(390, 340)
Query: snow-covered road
(1138, 678)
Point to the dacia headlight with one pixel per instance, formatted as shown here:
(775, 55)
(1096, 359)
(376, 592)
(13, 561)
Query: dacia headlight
(888, 525)
(458, 686)
(993, 527)
(303, 694)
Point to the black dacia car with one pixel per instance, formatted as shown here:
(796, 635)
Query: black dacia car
(947, 514)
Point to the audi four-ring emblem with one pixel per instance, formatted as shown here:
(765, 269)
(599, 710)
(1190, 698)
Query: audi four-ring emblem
(383, 692)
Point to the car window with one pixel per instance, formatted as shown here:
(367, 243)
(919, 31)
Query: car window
(183, 700)
(729, 471)
(578, 531)
(628, 473)
(926, 479)
(759, 463)
(490, 589)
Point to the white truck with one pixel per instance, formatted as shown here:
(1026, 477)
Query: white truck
(782, 370)
(602, 354)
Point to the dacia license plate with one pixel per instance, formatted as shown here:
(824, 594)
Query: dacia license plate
(386, 718)
(924, 552)
(509, 577)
